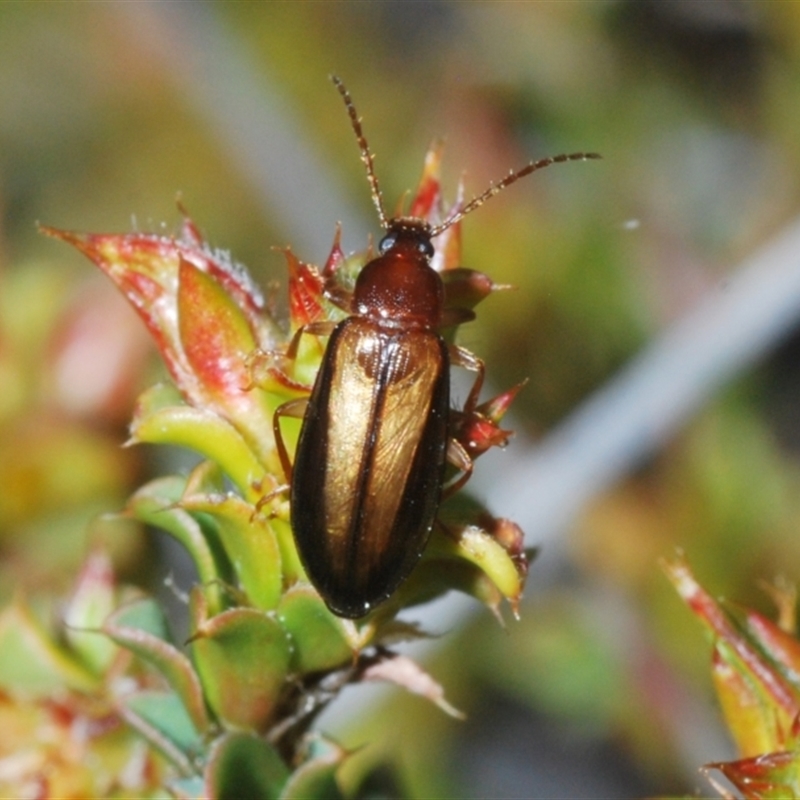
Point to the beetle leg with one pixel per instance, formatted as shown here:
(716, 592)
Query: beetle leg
(458, 456)
(338, 296)
(266, 365)
(464, 358)
(291, 408)
(319, 328)
(263, 367)
(268, 498)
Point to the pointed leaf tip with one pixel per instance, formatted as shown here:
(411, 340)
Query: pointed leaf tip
(243, 766)
(406, 673)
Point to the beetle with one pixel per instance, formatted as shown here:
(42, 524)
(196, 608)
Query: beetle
(370, 461)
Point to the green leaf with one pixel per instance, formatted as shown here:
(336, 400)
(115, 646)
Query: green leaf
(162, 719)
(315, 779)
(479, 548)
(144, 615)
(158, 396)
(203, 431)
(487, 566)
(31, 664)
(249, 542)
(293, 571)
(206, 478)
(155, 504)
(321, 639)
(751, 719)
(214, 332)
(243, 658)
(243, 767)
(90, 604)
(782, 648)
(433, 577)
(145, 269)
(159, 277)
(465, 288)
(142, 628)
(759, 702)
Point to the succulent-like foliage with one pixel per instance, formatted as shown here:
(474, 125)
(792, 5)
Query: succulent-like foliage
(756, 671)
(63, 721)
(232, 710)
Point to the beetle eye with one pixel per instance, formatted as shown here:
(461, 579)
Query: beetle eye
(387, 243)
(425, 247)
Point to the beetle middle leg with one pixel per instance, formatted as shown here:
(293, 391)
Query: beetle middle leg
(294, 409)
(462, 357)
(291, 408)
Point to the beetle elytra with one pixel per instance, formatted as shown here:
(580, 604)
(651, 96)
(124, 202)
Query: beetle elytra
(370, 462)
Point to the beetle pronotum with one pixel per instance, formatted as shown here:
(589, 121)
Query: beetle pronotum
(369, 466)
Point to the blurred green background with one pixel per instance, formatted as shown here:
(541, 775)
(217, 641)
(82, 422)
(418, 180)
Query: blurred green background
(109, 110)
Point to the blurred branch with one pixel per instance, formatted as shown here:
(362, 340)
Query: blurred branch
(548, 484)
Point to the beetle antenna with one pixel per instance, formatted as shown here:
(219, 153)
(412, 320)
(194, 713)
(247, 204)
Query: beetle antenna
(366, 155)
(512, 177)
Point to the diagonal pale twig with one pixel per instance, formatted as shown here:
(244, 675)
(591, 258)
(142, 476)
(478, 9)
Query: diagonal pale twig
(643, 406)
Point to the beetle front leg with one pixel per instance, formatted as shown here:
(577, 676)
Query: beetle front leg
(266, 366)
(319, 328)
(338, 296)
